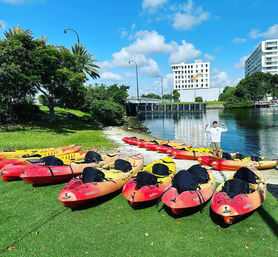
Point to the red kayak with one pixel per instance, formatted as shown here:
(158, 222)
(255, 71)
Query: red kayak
(98, 182)
(12, 172)
(55, 174)
(180, 195)
(12, 161)
(131, 140)
(151, 146)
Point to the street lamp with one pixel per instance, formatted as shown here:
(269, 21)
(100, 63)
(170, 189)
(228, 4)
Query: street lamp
(65, 32)
(159, 76)
(132, 61)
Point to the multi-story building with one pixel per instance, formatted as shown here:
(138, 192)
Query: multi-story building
(191, 75)
(264, 58)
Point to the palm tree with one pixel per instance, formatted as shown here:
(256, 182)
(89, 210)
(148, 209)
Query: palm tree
(85, 60)
(16, 31)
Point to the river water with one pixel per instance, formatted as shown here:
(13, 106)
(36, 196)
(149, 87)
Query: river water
(250, 131)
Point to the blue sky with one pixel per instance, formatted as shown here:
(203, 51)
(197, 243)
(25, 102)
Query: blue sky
(155, 33)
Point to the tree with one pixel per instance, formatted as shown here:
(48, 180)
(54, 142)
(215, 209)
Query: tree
(176, 95)
(167, 96)
(56, 73)
(152, 95)
(198, 99)
(87, 64)
(15, 72)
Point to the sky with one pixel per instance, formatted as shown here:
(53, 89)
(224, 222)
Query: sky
(154, 33)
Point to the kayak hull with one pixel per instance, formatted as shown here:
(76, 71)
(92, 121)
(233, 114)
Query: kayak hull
(188, 199)
(242, 204)
(77, 193)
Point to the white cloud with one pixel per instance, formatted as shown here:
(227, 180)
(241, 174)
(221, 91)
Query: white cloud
(149, 42)
(209, 57)
(152, 3)
(189, 17)
(168, 83)
(220, 79)
(111, 76)
(239, 40)
(151, 68)
(271, 32)
(241, 63)
(129, 74)
(184, 52)
(124, 33)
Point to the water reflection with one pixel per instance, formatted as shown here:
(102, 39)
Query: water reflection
(251, 131)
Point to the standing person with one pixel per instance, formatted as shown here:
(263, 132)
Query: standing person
(215, 135)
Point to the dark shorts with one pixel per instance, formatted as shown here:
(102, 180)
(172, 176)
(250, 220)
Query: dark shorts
(215, 146)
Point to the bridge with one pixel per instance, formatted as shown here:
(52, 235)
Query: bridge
(134, 100)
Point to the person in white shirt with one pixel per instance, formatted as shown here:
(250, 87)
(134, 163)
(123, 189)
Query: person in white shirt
(215, 135)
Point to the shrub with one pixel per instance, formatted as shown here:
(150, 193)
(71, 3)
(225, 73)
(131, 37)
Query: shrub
(42, 99)
(107, 112)
(198, 99)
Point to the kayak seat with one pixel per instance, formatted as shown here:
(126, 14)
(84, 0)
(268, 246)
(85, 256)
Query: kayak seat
(247, 175)
(155, 142)
(184, 181)
(145, 178)
(239, 156)
(227, 156)
(199, 173)
(160, 169)
(92, 157)
(91, 174)
(234, 187)
(52, 161)
(122, 165)
(256, 158)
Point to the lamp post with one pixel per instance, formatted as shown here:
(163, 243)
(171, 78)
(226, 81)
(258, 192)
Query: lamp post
(65, 32)
(159, 76)
(132, 61)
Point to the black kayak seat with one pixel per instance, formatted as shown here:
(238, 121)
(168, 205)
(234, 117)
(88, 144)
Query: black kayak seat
(160, 169)
(256, 158)
(184, 181)
(123, 165)
(246, 174)
(91, 157)
(199, 173)
(91, 174)
(52, 161)
(145, 178)
(227, 156)
(240, 156)
(234, 187)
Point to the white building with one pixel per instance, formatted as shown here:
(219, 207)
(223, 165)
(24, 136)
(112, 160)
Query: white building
(264, 58)
(192, 80)
(191, 75)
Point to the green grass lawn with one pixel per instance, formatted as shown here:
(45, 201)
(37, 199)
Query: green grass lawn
(34, 223)
(44, 134)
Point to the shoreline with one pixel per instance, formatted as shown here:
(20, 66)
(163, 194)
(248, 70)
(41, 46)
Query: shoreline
(117, 133)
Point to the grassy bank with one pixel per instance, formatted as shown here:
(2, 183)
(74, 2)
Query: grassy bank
(34, 223)
(44, 134)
